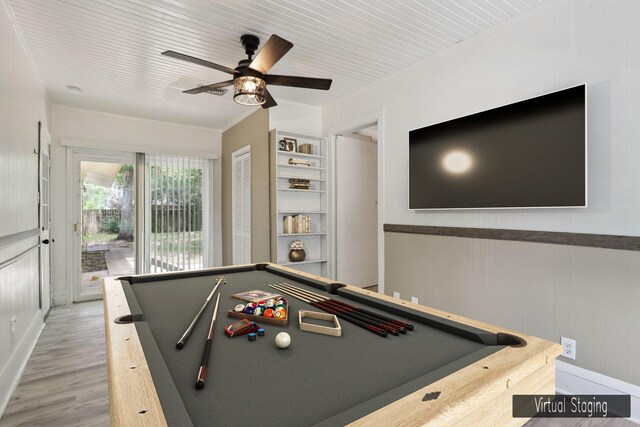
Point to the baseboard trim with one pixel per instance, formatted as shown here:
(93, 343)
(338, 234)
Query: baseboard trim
(14, 369)
(571, 379)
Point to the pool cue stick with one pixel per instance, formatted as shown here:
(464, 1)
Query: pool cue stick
(202, 372)
(185, 337)
(380, 321)
(382, 317)
(348, 318)
(390, 328)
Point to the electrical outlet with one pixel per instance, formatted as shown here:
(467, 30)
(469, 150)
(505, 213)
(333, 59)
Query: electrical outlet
(568, 348)
(414, 300)
(396, 295)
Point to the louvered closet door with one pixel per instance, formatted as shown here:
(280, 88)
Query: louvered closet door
(241, 201)
(177, 213)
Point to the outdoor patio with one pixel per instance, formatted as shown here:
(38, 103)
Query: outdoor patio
(118, 260)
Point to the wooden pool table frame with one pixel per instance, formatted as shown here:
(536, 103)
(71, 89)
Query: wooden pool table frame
(478, 394)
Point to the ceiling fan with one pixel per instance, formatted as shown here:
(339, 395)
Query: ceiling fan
(250, 78)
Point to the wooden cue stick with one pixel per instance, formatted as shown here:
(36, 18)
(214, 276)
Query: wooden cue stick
(371, 313)
(202, 372)
(392, 329)
(346, 317)
(185, 337)
(391, 325)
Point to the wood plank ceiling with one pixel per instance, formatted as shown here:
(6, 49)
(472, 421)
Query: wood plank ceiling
(111, 48)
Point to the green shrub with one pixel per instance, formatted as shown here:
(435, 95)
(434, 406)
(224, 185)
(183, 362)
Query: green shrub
(111, 225)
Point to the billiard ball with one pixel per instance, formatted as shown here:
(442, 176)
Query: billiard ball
(283, 340)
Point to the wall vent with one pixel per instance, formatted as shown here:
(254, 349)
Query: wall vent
(218, 92)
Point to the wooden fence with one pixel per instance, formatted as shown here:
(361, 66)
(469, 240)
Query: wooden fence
(169, 219)
(99, 220)
(164, 220)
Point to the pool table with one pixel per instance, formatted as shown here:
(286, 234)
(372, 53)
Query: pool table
(449, 370)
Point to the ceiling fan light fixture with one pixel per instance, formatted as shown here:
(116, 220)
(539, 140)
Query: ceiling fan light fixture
(249, 90)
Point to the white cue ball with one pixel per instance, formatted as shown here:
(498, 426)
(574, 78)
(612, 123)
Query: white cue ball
(283, 340)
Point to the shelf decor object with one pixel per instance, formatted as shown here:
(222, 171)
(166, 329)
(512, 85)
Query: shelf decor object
(299, 162)
(299, 184)
(288, 144)
(296, 251)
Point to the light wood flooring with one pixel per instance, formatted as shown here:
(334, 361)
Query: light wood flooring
(65, 382)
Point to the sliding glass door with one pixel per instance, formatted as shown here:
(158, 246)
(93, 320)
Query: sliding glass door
(176, 213)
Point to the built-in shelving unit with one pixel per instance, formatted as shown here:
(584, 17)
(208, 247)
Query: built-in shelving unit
(311, 202)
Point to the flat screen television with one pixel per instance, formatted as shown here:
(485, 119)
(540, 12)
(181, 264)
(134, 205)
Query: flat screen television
(529, 154)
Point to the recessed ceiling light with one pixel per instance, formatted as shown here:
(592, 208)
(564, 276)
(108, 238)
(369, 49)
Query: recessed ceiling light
(74, 89)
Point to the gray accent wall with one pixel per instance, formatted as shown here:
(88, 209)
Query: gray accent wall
(589, 294)
(253, 131)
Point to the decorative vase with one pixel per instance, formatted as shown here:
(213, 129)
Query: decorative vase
(297, 255)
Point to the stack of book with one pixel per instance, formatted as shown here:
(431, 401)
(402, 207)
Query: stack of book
(305, 149)
(296, 224)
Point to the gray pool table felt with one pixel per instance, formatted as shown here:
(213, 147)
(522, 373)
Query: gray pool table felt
(318, 380)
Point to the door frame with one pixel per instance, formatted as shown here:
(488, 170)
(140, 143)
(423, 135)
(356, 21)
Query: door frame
(74, 259)
(342, 129)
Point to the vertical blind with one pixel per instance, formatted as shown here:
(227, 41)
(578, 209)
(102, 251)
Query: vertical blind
(177, 226)
(241, 201)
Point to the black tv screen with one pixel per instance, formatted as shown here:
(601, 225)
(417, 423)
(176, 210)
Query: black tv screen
(528, 154)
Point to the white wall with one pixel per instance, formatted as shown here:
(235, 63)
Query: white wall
(587, 292)
(22, 105)
(72, 127)
(296, 118)
(557, 45)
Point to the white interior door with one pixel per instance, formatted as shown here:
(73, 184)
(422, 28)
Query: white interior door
(241, 202)
(356, 211)
(45, 222)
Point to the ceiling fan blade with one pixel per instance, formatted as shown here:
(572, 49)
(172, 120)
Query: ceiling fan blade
(270, 102)
(207, 88)
(198, 61)
(294, 81)
(275, 48)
